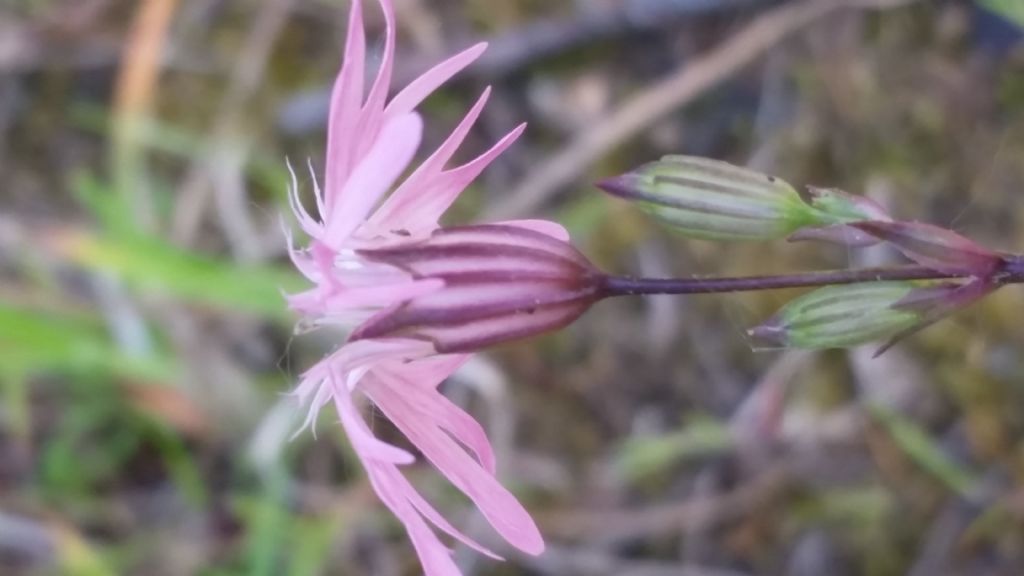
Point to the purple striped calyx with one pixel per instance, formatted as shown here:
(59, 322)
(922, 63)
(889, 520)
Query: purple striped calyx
(501, 282)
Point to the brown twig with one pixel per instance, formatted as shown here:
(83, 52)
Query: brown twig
(613, 527)
(645, 109)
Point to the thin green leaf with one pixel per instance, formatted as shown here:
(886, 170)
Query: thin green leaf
(1012, 10)
(920, 448)
(641, 457)
(33, 341)
(152, 265)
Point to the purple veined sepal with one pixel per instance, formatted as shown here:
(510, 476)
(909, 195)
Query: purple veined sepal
(502, 282)
(938, 302)
(937, 248)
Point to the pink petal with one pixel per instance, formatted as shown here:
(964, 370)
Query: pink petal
(373, 111)
(498, 505)
(316, 188)
(310, 382)
(389, 478)
(405, 198)
(374, 175)
(394, 491)
(346, 97)
(320, 399)
(449, 184)
(308, 302)
(357, 355)
(435, 557)
(379, 296)
(433, 370)
(445, 414)
(363, 442)
(408, 99)
(302, 262)
(446, 187)
(310, 226)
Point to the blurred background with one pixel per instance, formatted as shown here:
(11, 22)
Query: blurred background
(145, 347)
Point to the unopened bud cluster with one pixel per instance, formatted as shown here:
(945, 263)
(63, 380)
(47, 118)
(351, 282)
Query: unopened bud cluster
(713, 200)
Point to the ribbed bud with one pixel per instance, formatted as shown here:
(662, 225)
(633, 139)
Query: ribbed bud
(842, 316)
(501, 283)
(713, 200)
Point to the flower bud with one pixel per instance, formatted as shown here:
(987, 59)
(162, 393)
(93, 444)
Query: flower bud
(713, 200)
(500, 283)
(842, 316)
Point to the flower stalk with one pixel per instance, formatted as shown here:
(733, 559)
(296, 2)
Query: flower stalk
(630, 286)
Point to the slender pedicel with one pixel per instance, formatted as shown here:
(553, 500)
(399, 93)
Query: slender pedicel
(629, 286)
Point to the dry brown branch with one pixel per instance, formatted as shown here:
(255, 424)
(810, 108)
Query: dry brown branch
(562, 560)
(617, 526)
(646, 108)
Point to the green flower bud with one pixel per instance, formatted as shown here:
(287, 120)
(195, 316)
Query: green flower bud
(714, 200)
(842, 316)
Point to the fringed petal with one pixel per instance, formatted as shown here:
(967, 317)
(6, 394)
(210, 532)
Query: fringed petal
(406, 197)
(409, 98)
(346, 99)
(443, 190)
(374, 176)
(501, 509)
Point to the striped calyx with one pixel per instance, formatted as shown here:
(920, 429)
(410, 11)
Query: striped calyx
(501, 282)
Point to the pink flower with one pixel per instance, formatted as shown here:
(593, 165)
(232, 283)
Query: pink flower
(420, 298)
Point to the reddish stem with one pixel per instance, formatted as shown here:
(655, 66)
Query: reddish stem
(628, 286)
